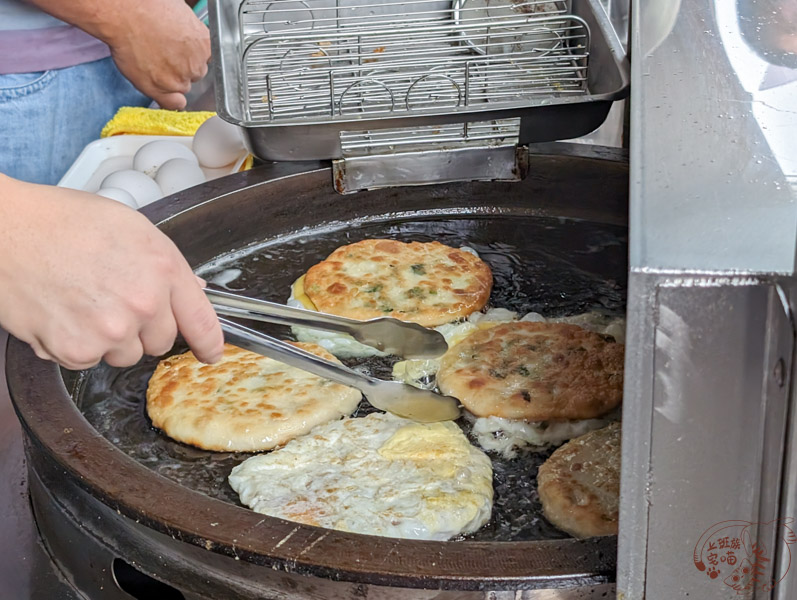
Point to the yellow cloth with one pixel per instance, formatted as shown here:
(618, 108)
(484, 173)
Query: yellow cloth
(151, 121)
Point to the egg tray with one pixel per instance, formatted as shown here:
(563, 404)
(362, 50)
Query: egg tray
(557, 245)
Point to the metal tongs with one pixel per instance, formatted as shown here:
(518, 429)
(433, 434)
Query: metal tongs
(389, 335)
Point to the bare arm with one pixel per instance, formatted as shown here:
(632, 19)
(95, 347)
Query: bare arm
(83, 278)
(159, 45)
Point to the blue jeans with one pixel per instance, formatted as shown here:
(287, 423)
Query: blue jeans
(47, 118)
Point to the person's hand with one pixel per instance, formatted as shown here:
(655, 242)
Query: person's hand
(159, 45)
(161, 48)
(83, 278)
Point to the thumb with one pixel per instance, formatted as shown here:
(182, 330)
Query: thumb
(171, 101)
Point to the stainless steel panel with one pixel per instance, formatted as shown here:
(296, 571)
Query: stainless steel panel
(506, 163)
(787, 588)
(704, 422)
(708, 187)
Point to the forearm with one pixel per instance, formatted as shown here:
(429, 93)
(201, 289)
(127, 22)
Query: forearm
(13, 212)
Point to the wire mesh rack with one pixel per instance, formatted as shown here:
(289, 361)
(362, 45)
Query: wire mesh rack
(329, 60)
(460, 135)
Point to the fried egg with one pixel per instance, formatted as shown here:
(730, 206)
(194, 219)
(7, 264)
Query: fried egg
(376, 475)
(506, 436)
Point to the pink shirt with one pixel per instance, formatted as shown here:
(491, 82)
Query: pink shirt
(32, 41)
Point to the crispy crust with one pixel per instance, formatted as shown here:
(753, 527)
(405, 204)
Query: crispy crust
(534, 371)
(245, 402)
(579, 484)
(426, 283)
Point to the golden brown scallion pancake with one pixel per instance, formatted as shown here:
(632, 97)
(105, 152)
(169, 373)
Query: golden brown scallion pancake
(534, 372)
(579, 485)
(245, 402)
(423, 282)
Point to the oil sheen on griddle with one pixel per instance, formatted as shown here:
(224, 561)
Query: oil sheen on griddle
(552, 266)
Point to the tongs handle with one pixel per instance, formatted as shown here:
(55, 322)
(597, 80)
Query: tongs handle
(392, 336)
(233, 305)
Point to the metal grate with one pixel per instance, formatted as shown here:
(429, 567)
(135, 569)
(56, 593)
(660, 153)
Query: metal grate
(409, 139)
(328, 60)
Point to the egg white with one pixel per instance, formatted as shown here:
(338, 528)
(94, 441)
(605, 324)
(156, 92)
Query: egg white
(377, 475)
(340, 344)
(506, 436)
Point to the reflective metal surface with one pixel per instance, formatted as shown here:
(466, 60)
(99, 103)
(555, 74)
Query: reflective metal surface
(713, 155)
(709, 434)
(703, 442)
(386, 334)
(395, 397)
(546, 117)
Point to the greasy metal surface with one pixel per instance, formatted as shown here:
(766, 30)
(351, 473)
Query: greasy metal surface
(404, 58)
(552, 266)
(545, 118)
(496, 163)
(228, 216)
(714, 163)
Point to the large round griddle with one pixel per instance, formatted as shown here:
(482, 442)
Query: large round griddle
(161, 523)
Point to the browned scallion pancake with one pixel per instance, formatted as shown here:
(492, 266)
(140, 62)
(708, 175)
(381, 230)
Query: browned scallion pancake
(579, 485)
(245, 402)
(535, 372)
(422, 282)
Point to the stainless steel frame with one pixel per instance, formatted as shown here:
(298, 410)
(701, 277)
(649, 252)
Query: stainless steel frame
(708, 413)
(294, 91)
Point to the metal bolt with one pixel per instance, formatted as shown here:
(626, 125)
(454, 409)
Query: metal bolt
(779, 373)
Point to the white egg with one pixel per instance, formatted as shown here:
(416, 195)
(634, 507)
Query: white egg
(119, 195)
(152, 155)
(138, 185)
(177, 174)
(218, 143)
